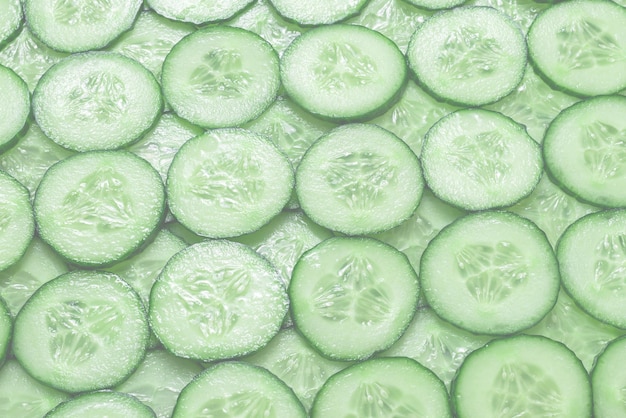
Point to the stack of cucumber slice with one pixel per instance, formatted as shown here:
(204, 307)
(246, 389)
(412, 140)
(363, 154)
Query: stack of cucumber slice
(282, 208)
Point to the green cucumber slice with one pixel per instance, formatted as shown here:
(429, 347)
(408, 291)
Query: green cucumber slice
(240, 389)
(608, 380)
(84, 330)
(490, 273)
(17, 225)
(96, 208)
(105, 404)
(592, 258)
(359, 179)
(11, 12)
(96, 101)
(522, 375)
(197, 11)
(216, 300)
(14, 106)
(468, 55)
(352, 297)
(220, 76)
(584, 150)
(383, 387)
(317, 12)
(343, 72)
(228, 182)
(476, 159)
(580, 46)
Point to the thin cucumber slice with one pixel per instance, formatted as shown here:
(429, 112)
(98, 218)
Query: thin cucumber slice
(11, 12)
(104, 404)
(150, 40)
(592, 258)
(383, 387)
(352, 297)
(6, 330)
(228, 182)
(96, 101)
(32, 155)
(533, 104)
(216, 300)
(343, 72)
(359, 179)
(608, 380)
(476, 159)
(84, 330)
(551, 209)
(220, 76)
(468, 55)
(198, 12)
(163, 141)
(38, 265)
(522, 375)
(14, 106)
(96, 208)
(232, 389)
(413, 115)
(159, 379)
(293, 360)
(436, 4)
(29, 57)
(436, 344)
(396, 19)
(580, 46)
(584, 150)
(24, 397)
(580, 332)
(17, 225)
(491, 273)
(75, 26)
(262, 19)
(316, 12)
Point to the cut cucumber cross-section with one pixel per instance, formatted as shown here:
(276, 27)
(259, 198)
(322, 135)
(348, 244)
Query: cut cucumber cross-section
(468, 55)
(14, 106)
(608, 380)
(317, 12)
(17, 225)
(198, 12)
(343, 72)
(104, 404)
(11, 12)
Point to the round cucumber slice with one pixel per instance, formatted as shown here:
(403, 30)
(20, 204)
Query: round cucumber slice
(84, 330)
(316, 12)
(96, 101)
(11, 12)
(198, 12)
(221, 76)
(608, 380)
(468, 55)
(17, 225)
(14, 106)
(104, 404)
(96, 208)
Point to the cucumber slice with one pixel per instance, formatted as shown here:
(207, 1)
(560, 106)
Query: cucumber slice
(592, 258)
(522, 375)
(468, 55)
(359, 179)
(24, 397)
(584, 150)
(228, 182)
(76, 26)
(293, 360)
(84, 330)
(490, 273)
(239, 389)
(14, 106)
(11, 12)
(436, 344)
(476, 159)
(104, 404)
(358, 288)
(317, 12)
(96, 208)
(198, 12)
(608, 380)
(6, 330)
(159, 379)
(383, 387)
(216, 300)
(38, 265)
(17, 225)
(96, 101)
(580, 46)
(220, 77)
(343, 72)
